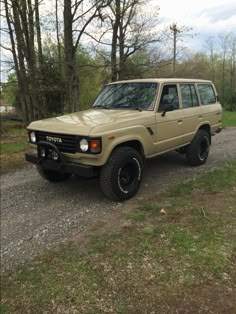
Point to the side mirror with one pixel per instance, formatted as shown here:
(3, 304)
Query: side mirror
(167, 107)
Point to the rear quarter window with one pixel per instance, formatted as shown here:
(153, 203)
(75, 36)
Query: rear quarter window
(207, 94)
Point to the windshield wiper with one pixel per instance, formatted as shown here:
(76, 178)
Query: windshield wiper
(138, 108)
(101, 107)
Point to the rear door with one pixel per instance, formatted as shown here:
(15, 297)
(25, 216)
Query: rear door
(192, 111)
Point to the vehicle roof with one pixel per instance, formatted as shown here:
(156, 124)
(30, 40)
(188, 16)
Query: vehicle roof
(163, 80)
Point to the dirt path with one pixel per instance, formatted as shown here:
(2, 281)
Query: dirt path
(36, 215)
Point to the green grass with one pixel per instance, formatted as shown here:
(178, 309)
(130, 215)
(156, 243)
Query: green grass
(13, 137)
(13, 147)
(12, 128)
(10, 123)
(161, 256)
(16, 132)
(229, 118)
(223, 178)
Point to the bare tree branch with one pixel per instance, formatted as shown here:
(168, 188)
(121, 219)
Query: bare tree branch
(5, 48)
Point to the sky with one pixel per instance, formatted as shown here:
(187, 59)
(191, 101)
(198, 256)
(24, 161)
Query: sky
(206, 17)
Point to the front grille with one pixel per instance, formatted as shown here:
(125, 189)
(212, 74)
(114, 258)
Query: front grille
(68, 145)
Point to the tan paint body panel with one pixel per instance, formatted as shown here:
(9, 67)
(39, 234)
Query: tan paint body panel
(177, 128)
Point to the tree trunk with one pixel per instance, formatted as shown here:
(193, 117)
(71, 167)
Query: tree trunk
(24, 83)
(59, 60)
(233, 75)
(72, 81)
(38, 112)
(121, 46)
(40, 60)
(223, 79)
(114, 52)
(114, 66)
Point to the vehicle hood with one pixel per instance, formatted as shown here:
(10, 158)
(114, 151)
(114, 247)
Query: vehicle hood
(83, 122)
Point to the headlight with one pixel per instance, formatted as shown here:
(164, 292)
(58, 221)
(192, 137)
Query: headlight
(33, 137)
(84, 145)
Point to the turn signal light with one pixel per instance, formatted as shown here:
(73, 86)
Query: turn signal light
(95, 146)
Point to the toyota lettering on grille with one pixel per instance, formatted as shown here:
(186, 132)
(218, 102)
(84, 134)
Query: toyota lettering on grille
(54, 139)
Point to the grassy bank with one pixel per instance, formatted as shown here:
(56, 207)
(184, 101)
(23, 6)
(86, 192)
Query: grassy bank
(229, 119)
(12, 146)
(173, 254)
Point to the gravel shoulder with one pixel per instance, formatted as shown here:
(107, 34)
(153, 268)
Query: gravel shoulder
(37, 215)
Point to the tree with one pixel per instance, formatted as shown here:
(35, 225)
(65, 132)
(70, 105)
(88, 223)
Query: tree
(211, 48)
(135, 30)
(224, 43)
(59, 50)
(22, 18)
(126, 28)
(232, 60)
(78, 14)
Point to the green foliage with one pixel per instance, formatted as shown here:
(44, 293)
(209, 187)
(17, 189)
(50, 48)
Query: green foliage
(10, 91)
(89, 69)
(53, 79)
(91, 76)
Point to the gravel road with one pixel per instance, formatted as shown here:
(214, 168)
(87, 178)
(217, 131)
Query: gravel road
(37, 215)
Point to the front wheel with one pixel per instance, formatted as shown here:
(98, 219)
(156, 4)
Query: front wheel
(197, 152)
(121, 176)
(52, 176)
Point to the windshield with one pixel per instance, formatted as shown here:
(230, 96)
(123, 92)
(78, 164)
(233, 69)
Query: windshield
(136, 96)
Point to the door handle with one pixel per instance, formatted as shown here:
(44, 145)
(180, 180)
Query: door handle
(200, 117)
(179, 121)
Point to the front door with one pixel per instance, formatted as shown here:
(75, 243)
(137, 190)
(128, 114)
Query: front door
(169, 127)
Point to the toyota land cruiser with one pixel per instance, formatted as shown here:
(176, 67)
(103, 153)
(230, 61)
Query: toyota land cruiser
(128, 122)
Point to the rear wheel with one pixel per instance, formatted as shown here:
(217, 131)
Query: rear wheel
(52, 176)
(197, 152)
(121, 176)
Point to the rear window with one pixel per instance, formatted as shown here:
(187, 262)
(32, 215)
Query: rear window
(189, 96)
(207, 94)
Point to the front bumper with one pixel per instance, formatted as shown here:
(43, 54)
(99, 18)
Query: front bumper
(62, 166)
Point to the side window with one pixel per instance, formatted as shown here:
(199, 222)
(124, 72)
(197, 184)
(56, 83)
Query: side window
(207, 94)
(189, 96)
(169, 95)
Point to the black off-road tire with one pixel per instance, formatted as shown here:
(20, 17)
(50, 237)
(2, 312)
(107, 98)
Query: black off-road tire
(197, 152)
(52, 176)
(121, 176)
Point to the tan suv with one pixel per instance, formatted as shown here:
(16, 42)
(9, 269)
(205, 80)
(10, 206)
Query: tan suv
(128, 122)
